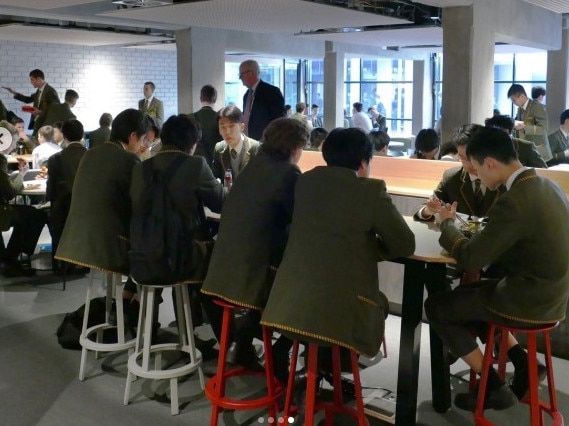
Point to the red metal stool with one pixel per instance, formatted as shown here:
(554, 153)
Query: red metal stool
(537, 407)
(312, 375)
(501, 360)
(215, 387)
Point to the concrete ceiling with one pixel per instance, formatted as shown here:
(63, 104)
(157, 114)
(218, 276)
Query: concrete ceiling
(258, 16)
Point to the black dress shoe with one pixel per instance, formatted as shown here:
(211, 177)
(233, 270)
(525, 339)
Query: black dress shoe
(497, 399)
(520, 382)
(243, 356)
(204, 345)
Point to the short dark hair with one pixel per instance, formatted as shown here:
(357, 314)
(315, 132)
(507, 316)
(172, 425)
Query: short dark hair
(15, 120)
(105, 120)
(500, 122)
(151, 84)
(314, 106)
(37, 73)
(128, 121)
(448, 148)
(317, 136)
(491, 142)
(564, 116)
(57, 125)
(287, 107)
(516, 89)
(282, 136)
(358, 106)
(232, 113)
(181, 131)
(347, 148)
(71, 95)
(379, 139)
(427, 140)
(208, 94)
(462, 134)
(72, 130)
(300, 107)
(537, 91)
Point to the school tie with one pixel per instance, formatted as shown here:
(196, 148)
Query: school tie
(38, 98)
(478, 196)
(233, 153)
(146, 104)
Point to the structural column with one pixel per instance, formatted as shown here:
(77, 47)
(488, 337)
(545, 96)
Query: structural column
(468, 67)
(334, 90)
(201, 61)
(422, 96)
(558, 79)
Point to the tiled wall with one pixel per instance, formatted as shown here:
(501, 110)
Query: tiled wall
(108, 79)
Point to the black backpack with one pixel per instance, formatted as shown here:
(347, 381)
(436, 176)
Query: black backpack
(161, 242)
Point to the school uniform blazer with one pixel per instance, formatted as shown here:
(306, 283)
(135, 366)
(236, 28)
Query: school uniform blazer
(558, 143)
(154, 110)
(252, 233)
(528, 154)
(207, 118)
(9, 188)
(49, 96)
(457, 186)
(62, 168)
(193, 187)
(222, 157)
(326, 288)
(98, 225)
(527, 235)
(535, 130)
(268, 105)
(99, 136)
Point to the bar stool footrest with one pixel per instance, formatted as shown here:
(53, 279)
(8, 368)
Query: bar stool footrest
(86, 342)
(136, 368)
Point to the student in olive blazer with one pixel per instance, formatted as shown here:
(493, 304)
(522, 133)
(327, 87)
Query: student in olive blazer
(531, 215)
(231, 129)
(62, 168)
(150, 105)
(326, 288)
(559, 140)
(254, 229)
(531, 120)
(97, 229)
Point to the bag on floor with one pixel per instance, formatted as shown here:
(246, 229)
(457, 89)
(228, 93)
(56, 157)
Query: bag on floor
(70, 329)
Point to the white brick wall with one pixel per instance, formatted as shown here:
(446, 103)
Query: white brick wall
(108, 79)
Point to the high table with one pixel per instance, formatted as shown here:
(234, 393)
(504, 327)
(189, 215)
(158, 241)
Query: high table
(426, 268)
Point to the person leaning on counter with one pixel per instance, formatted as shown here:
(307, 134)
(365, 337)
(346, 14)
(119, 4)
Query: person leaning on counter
(528, 235)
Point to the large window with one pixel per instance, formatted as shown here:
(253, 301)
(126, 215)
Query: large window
(315, 84)
(387, 85)
(234, 89)
(527, 69)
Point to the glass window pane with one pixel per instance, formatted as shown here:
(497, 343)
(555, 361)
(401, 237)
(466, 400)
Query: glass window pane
(291, 83)
(503, 66)
(234, 90)
(531, 67)
(501, 101)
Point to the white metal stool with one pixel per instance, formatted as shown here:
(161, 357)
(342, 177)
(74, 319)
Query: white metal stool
(113, 289)
(139, 361)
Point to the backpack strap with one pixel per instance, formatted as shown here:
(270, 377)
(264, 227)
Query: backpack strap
(148, 169)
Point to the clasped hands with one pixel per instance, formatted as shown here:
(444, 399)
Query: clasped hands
(444, 210)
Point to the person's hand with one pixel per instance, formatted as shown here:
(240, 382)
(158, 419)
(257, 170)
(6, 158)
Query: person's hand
(36, 112)
(519, 125)
(9, 89)
(23, 135)
(448, 211)
(433, 206)
(23, 166)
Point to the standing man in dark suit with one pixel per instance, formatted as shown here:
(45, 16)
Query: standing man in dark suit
(559, 140)
(44, 96)
(531, 120)
(62, 168)
(150, 105)
(57, 112)
(236, 149)
(253, 234)
(262, 103)
(207, 117)
(532, 214)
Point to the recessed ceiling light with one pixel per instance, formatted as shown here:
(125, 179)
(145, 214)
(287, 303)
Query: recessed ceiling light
(141, 3)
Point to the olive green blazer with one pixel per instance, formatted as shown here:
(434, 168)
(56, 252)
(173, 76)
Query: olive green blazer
(527, 235)
(536, 127)
(98, 225)
(327, 288)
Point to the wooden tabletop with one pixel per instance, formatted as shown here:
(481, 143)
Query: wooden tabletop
(12, 159)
